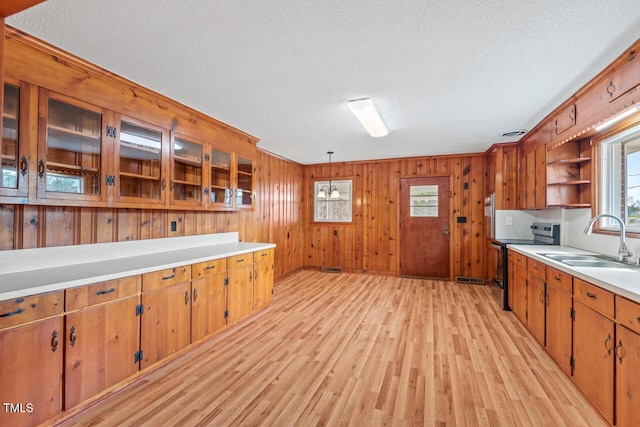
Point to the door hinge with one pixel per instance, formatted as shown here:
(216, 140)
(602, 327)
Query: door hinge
(138, 356)
(111, 131)
(226, 281)
(572, 314)
(526, 314)
(110, 180)
(139, 310)
(226, 314)
(572, 362)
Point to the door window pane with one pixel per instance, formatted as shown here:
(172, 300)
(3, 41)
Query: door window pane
(140, 161)
(423, 200)
(9, 164)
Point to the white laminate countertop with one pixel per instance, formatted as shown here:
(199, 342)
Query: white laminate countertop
(117, 262)
(621, 281)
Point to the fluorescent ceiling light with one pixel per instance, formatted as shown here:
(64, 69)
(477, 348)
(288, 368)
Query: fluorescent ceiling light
(366, 113)
(619, 117)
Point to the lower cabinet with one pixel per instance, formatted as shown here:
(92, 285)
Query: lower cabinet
(100, 348)
(536, 307)
(208, 305)
(263, 279)
(240, 288)
(31, 372)
(627, 361)
(519, 289)
(593, 370)
(165, 325)
(559, 304)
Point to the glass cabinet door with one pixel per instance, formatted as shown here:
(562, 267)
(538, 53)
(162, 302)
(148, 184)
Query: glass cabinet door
(71, 158)
(140, 157)
(186, 181)
(220, 193)
(244, 191)
(13, 165)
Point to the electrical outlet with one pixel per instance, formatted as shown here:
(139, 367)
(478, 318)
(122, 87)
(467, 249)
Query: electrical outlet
(508, 220)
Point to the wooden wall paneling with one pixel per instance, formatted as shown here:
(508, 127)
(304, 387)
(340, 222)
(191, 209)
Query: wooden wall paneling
(475, 221)
(61, 226)
(460, 256)
(7, 227)
(129, 225)
(32, 227)
(105, 225)
(88, 226)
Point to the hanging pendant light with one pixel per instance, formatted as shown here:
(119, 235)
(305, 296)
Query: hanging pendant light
(328, 190)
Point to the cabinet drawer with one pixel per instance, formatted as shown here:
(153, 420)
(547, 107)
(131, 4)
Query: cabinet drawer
(22, 310)
(166, 277)
(207, 268)
(85, 296)
(628, 313)
(265, 254)
(560, 279)
(537, 268)
(520, 260)
(239, 260)
(593, 296)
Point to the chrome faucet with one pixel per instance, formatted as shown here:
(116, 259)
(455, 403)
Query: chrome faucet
(623, 251)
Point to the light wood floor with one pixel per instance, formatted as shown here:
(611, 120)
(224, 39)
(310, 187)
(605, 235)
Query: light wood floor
(359, 350)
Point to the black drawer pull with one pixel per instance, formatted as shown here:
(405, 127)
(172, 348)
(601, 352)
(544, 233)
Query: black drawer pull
(590, 295)
(12, 313)
(54, 341)
(108, 291)
(195, 295)
(638, 319)
(265, 254)
(209, 267)
(72, 336)
(557, 278)
(240, 260)
(169, 277)
(186, 298)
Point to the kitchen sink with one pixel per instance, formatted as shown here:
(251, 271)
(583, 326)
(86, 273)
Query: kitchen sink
(585, 260)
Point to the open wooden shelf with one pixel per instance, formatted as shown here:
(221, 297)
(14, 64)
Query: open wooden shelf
(73, 132)
(188, 161)
(576, 182)
(139, 176)
(569, 161)
(179, 181)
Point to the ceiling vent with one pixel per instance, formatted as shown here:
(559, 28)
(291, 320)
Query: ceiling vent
(514, 133)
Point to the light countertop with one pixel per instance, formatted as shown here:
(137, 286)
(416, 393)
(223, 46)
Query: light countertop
(118, 260)
(622, 281)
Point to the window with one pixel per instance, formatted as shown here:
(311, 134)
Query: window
(329, 209)
(65, 183)
(423, 200)
(620, 183)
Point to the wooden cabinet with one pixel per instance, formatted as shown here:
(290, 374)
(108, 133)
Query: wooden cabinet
(232, 181)
(559, 303)
(532, 178)
(565, 120)
(31, 359)
(102, 338)
(502, 175)
(166, 322)
(14, 152)
(623, 80)
(536, 307)
(569, 175)
(627, 361)
(519, 289)
(141, 161)
(511, 278)
(593, 345)
(209, 298)
(72, 152)
(263, 278)
(187, 185)
(240, 288)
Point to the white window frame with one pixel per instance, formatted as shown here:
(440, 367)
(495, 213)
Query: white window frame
(336, 210)
(614, 189)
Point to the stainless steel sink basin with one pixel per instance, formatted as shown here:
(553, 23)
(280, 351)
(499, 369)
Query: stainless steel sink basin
(576, 260)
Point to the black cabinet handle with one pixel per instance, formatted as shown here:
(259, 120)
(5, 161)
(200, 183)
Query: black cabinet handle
(41, 168)
(186, 298)
(54, 341)
(24, 165)
(590, 295)
(12, 313)
(108, 291)
(618, 347)
(169, 277)
(608, 339)
(209, 267)
(73, 336)
(240, 260)
(195, 295)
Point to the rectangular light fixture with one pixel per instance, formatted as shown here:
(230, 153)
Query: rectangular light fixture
(366, 113)
(619, 117)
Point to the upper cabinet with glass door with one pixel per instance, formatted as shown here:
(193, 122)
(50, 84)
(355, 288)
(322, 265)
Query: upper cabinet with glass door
(187, 183)
(13, 154)
(71, 153)
(139, 163)
(244, 195)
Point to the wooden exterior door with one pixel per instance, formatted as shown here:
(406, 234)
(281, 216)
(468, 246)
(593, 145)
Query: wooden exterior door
(100, 348)
(424, 227)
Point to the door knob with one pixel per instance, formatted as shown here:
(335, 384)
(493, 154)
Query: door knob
(445, 230)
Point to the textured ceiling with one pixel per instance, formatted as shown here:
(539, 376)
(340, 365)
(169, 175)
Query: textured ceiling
(447, 76)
